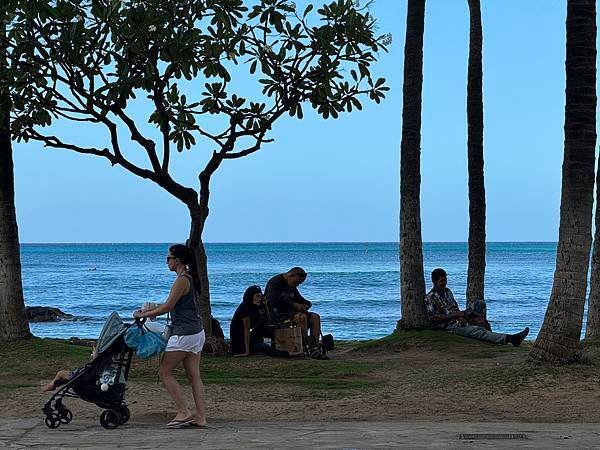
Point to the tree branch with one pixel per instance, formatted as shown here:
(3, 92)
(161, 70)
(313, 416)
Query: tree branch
(147, 144)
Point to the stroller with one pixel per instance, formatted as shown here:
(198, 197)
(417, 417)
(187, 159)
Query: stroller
(101, 381)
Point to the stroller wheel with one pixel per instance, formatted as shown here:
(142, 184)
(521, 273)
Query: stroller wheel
(110, 419)
(125, 414)
(66, 416)
(52, 421)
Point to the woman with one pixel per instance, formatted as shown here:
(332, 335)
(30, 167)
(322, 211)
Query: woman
(249, 325)
(187, 339)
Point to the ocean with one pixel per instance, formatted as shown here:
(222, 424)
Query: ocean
(353, 286)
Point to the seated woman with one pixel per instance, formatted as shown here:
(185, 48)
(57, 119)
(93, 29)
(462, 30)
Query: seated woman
(249, 326)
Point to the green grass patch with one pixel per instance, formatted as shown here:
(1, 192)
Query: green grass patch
(436, 340)
(335, 378)
(39, 358)
(8, 387)
(402, 340)
(26, 362)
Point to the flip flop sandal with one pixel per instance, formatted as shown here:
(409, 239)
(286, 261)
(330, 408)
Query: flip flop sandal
(176, 423)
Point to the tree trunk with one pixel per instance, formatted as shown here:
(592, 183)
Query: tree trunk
(558, 341)
(196, 244)
(592, 329)
(199, 213)
(13, 320)
(476, 270)
(412, 280)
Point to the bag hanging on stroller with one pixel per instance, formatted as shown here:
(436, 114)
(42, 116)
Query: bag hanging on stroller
(146, 343)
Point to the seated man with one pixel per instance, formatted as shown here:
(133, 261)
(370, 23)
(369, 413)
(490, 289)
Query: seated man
(286, 302)
(444, 314)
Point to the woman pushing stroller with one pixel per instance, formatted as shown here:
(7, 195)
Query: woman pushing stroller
(187, 337)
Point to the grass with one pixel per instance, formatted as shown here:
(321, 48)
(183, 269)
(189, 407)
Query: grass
(438, 365)
(435, 340)
(26, 362)
(39, 358)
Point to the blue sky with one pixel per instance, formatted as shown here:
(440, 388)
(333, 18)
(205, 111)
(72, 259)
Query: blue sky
(338, 180)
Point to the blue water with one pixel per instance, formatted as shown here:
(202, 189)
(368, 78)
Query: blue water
(355, 286)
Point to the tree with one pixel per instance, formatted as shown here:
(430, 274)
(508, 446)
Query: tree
(558, 340)
(476, 270)
(412, 279)
(94, 61)
(592, 329)
(13, 320)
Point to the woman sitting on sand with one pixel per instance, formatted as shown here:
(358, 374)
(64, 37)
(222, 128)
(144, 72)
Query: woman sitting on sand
(187, 339)
(249, 326)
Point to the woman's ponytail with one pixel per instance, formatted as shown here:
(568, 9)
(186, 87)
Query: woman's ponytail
(193, 266)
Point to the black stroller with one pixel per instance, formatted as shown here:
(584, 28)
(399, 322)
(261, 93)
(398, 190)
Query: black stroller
(101, 381)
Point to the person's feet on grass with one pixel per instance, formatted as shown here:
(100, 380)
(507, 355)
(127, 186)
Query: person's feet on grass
(517, 338)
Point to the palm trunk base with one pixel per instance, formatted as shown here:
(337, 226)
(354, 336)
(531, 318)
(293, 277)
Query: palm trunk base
(547, 351)
(411, 325)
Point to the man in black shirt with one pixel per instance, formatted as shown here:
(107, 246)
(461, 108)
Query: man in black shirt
(286, 302)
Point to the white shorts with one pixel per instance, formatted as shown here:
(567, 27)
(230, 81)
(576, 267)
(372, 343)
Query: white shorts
(191, 343)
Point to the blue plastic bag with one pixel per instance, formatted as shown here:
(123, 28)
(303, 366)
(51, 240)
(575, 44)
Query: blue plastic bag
(145, 343)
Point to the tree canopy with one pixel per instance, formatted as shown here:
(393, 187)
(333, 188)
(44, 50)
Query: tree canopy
(89, 60)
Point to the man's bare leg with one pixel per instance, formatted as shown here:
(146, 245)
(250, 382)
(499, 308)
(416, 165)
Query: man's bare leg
(315, 326)
(300, 319)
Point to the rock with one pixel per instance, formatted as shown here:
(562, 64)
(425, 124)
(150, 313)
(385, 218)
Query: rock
(215, 346)
(46, 314)
(83, 342)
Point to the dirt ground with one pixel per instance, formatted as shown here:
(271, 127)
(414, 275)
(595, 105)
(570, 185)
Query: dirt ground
(406, 380)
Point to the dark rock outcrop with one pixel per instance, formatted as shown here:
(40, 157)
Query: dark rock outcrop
(83, 342)
(46, 314)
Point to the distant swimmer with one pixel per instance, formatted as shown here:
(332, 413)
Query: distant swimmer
(91, 269)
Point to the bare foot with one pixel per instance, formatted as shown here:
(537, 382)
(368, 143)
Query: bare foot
(47, 387)
(196, 424)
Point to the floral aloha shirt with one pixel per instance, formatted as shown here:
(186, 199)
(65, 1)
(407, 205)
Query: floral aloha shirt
(436, 303)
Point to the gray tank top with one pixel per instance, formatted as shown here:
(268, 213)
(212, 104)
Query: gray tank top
(185, 317)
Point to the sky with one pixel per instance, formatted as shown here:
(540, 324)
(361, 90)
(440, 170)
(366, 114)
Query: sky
(338, 180)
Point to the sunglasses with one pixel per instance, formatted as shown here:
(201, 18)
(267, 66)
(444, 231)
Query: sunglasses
(170, 257)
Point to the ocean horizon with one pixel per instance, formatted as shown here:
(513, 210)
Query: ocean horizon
(354, 286)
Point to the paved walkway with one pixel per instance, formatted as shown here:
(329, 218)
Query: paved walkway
(32, 433)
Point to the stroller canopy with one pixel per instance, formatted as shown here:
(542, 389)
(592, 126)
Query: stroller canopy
(112, 329)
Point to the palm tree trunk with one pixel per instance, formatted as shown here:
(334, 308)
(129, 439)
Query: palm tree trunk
(13, 320)
(592, 329)
(476, 270)
(558, 341)
(412, 280)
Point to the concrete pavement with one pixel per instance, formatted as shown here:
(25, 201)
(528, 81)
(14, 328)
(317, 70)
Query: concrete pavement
(85, 433)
